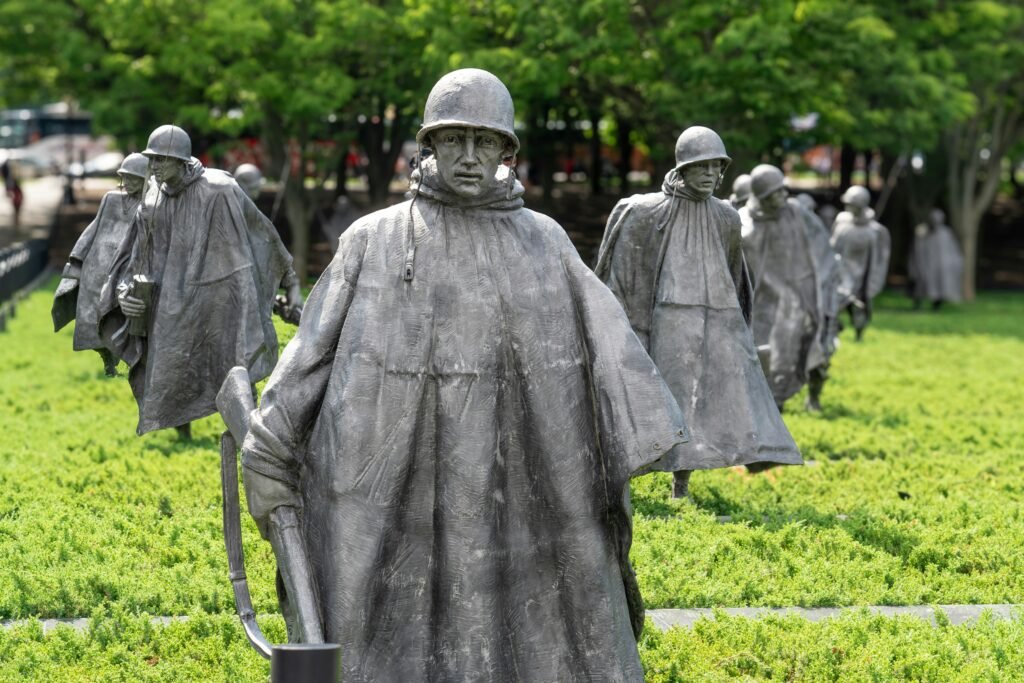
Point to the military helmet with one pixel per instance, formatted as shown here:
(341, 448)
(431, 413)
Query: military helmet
(470, 98)
(698, 143)
(858, 196)
(169, 141)
(134, 164)
(249, 177)
(741, 188)
(765, 179)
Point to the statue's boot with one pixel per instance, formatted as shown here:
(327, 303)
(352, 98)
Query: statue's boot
(681, 484)
(109, 362)
(184, 431)
(815, 383)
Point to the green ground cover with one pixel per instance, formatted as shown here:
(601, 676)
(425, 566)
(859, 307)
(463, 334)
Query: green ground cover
(916, 498)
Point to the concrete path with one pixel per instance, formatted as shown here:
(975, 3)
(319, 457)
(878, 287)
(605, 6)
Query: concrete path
(665, 619)
(42, 197)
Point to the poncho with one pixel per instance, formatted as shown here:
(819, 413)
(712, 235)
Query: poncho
(92, 256)
(863, 244)
(216, 276)
(460, 444)
(936, 264)
(795, 278)
(676, 264)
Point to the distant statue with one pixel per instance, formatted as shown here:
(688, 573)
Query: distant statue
(191, 288)
(796, 276)
(78, 294)
(740, 191)
(863, 244)
(457, 419)
(675, 261)
(936, 263)
(265, 243)
(342, 216)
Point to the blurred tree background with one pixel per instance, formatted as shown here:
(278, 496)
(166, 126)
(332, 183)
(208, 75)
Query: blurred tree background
(934, 89)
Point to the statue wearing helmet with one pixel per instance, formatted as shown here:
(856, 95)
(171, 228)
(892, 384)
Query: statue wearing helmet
(740, 191)
(461, 416)
(795, 280)
(78, 294)
(864, 245)
(936, 264)
(190, 288)
(674, 260)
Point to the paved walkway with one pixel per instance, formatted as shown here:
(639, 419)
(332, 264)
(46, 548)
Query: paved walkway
(665, 619)
(42, 197)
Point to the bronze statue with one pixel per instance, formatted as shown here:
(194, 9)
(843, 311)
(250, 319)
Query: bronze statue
(795, 273)
(863, 244)
(936, 263)
(456, 423)
(674, 260)
(740, 191)
(191, 287)
(78, 294)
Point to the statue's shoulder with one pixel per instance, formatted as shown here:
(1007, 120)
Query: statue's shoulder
(641, 204)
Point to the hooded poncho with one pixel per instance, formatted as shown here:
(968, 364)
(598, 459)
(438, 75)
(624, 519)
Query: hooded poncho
(795, 275)
(676, 264)
(863, 244)
(92, 257)
(936, 264)
(216, 276)
(460, 444)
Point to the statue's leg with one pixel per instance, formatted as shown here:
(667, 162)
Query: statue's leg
(681, 484)
(184, 431)
(109, 362)
(815, 383)
(860, 318)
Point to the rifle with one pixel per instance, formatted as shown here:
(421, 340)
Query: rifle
(311, 660)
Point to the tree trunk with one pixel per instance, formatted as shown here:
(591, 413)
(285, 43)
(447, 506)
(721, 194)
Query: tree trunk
(595, 153)
(625, 145)
(341, 175)
(298, 208)
(847, 162)
(382, 142)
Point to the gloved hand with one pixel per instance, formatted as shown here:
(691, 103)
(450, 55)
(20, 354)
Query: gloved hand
(131, 306)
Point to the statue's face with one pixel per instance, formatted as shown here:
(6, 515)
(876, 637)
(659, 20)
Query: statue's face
(166, 169)
(774, 202)
(133, 184)
(467, 158)
(702, 176)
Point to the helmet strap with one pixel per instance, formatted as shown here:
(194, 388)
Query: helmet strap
(510, 183)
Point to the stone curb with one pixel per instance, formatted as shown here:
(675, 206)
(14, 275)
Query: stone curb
(665, 619)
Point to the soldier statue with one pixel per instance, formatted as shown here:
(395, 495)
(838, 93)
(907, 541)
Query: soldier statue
(675, 261)
(863, 244)
(78, 294)
(740, 191)
(936, 263)
(456, 421)
(795, 274)
(191, 288)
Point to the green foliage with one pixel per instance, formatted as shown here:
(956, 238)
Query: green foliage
(857, 646)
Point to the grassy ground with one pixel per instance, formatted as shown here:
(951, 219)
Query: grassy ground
(916, 498)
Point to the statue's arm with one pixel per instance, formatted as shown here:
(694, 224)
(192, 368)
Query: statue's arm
(279, 428)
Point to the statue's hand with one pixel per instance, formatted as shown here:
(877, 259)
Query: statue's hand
(131, 306)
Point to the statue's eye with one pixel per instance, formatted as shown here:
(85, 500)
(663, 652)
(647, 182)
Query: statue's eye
(486, 141)
(451, 139)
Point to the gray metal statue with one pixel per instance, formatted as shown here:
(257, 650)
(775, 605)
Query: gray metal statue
(936, 263)
(796, 276)
(863, 244)
(190, 290)
(456, 423)
(674, 260)
(740, 191)
(289, 306)
(78, 294)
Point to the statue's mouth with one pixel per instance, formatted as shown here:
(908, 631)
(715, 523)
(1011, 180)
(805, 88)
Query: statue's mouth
(469, 176)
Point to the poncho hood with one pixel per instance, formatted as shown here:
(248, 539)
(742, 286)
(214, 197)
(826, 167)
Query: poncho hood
(426, 181)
